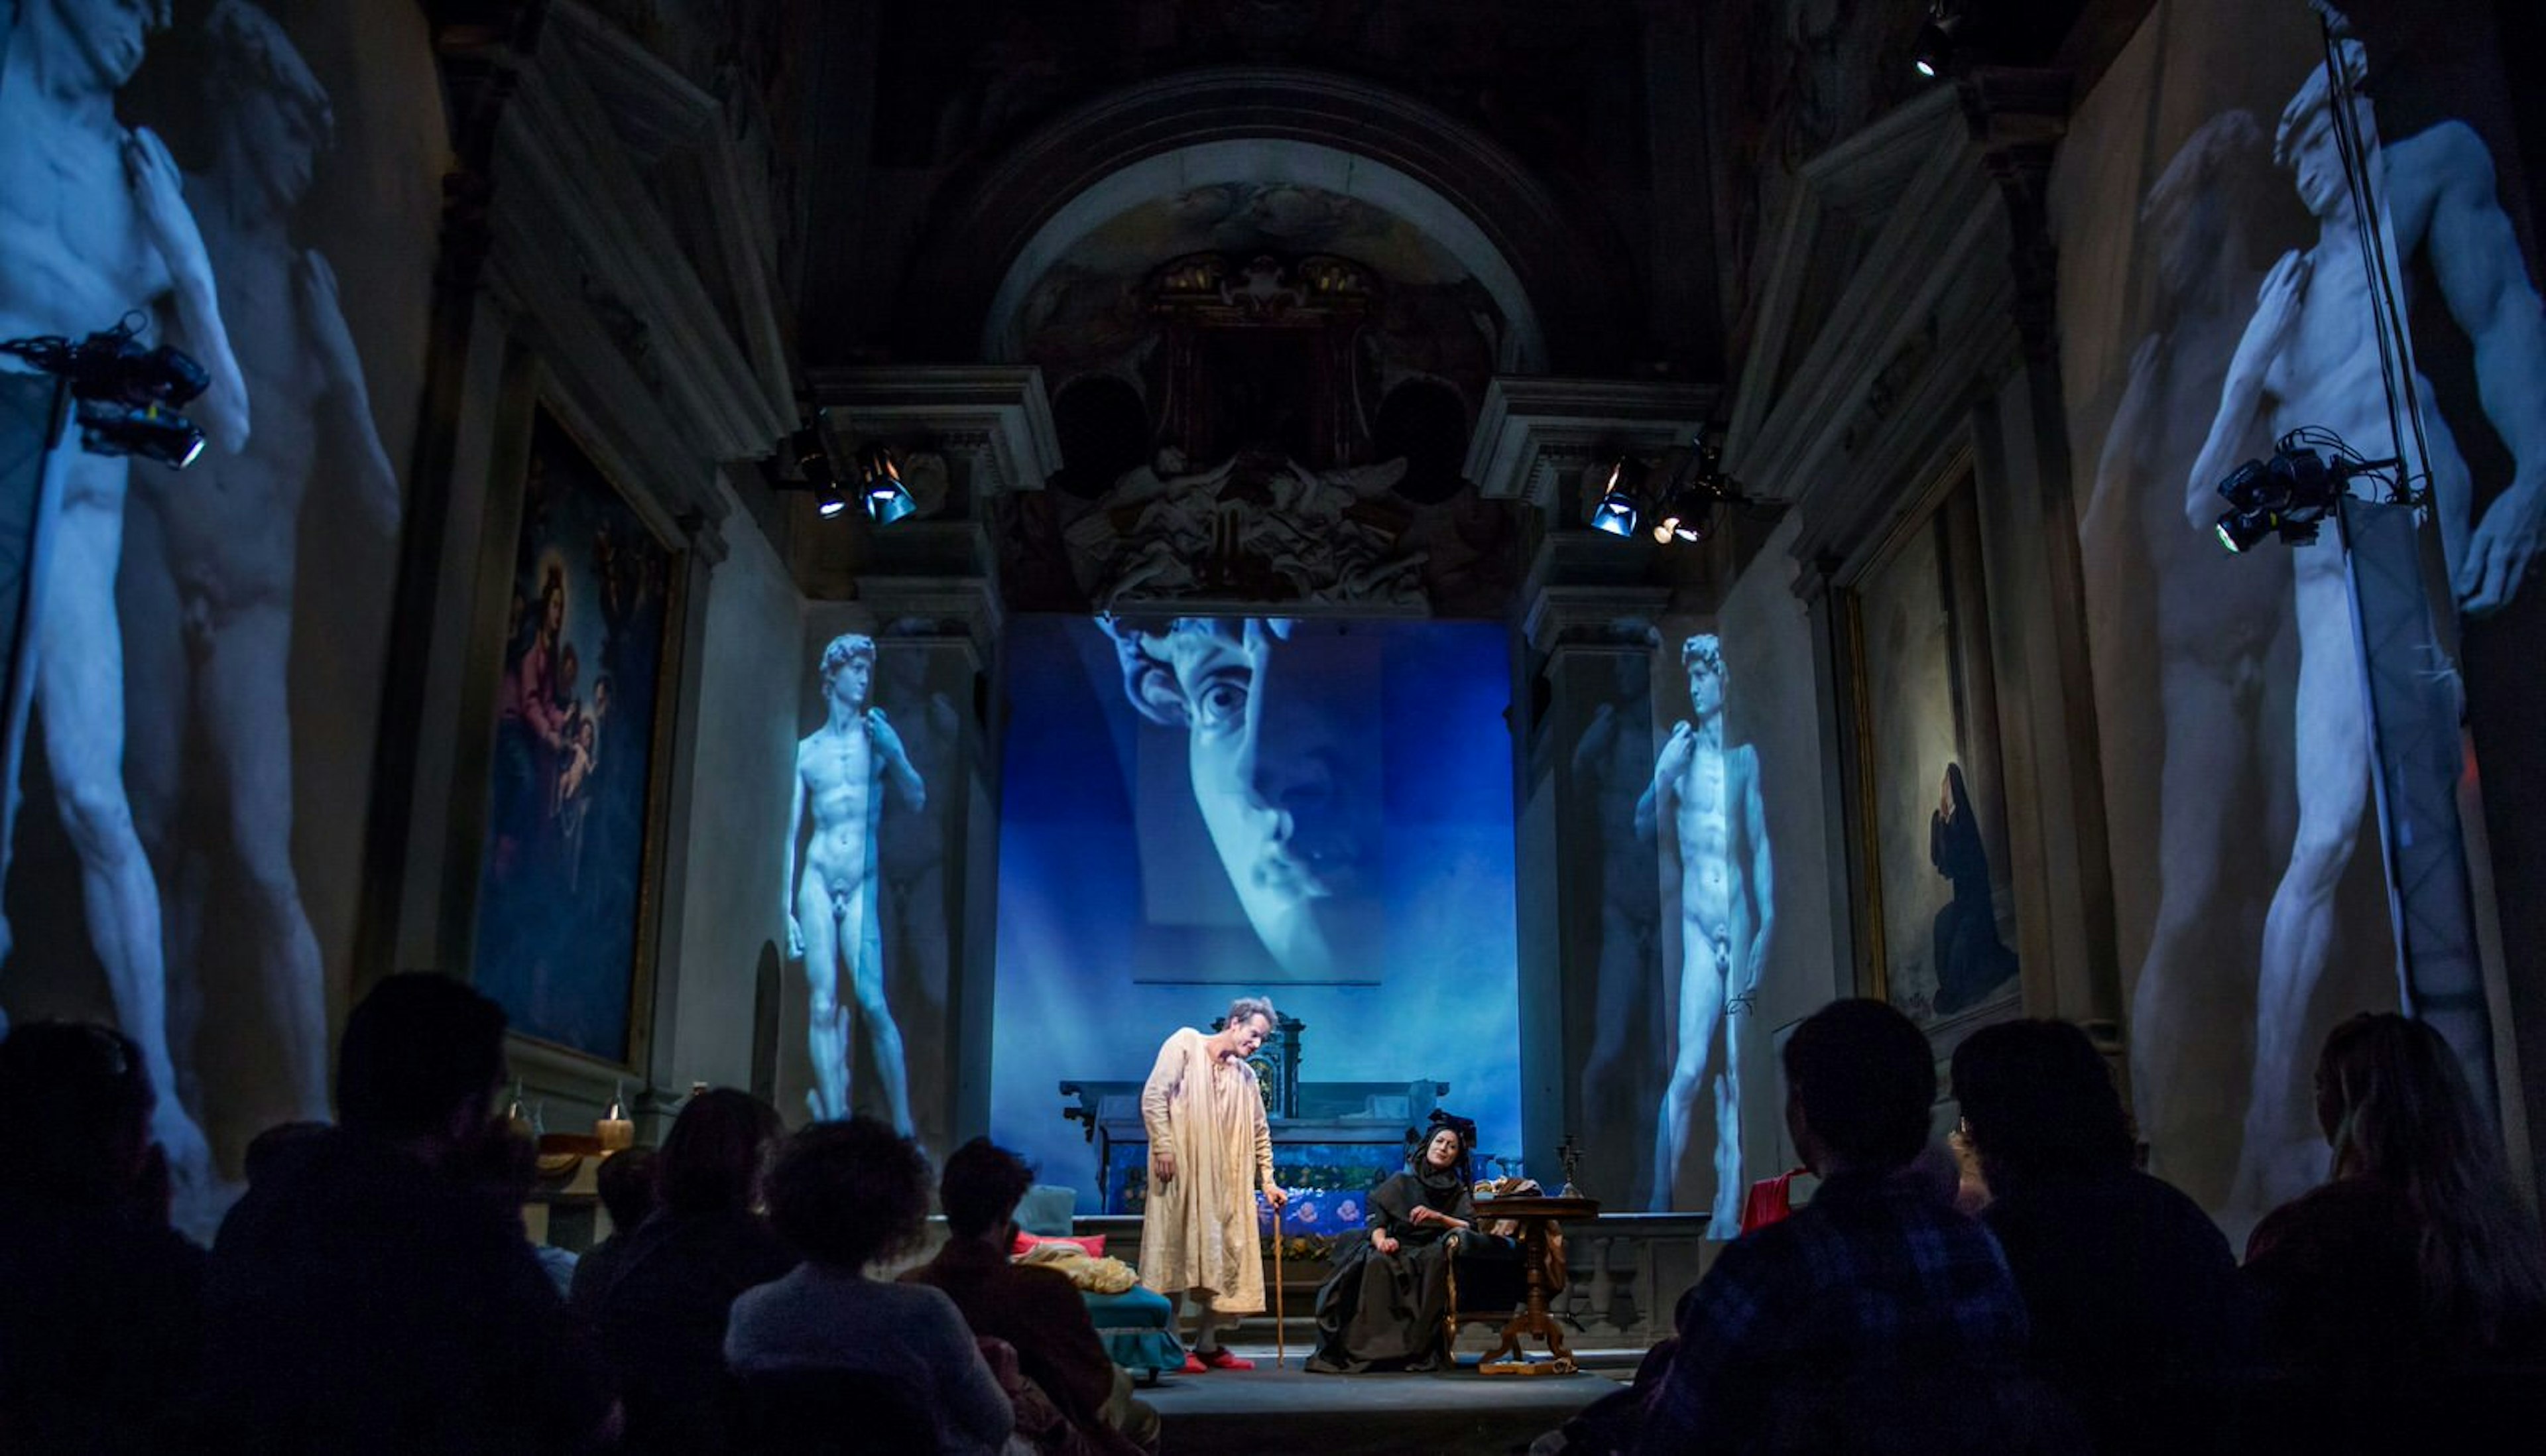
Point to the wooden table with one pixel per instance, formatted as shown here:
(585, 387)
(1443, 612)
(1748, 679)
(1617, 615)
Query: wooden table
(1534, 1214)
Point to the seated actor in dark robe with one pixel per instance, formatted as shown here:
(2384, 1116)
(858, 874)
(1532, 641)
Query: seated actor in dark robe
(1382, 1307)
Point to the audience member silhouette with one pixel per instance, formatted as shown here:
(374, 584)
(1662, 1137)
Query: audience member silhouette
(367, 1293)
(1876, 1317)
(846, 1194)
(2418, 1254)
(503, 1169)
(269, 1151)
(660, 1308)
(625, 1186)
(1037, 1310)
(2134, 1298)
(101, 1302)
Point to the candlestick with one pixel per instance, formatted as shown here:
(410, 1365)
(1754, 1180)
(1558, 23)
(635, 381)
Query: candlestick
(615, 1132)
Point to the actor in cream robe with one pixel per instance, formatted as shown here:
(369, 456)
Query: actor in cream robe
(1198, 1232)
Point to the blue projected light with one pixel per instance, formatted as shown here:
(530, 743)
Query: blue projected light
(1200, 808)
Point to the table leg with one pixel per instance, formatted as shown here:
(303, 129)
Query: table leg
(1532, 1319)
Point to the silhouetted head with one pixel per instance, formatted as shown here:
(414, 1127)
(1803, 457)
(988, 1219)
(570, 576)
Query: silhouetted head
(421, 1059)
(270, 1151)
(1859, 1083)
(846, 1194)
(981, 1187)
(75, 1114)
(625, 1184)
(2397, 1106)
(718, 1152)
(2040, 1103)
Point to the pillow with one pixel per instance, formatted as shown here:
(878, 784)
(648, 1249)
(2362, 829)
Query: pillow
(1093, 1243)
(1046, 1209)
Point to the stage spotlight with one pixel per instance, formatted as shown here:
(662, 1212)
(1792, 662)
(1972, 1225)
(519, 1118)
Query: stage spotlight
(1933, 51)
(2242, 531)
(813, 462)
(2289, 495)
(1686, 514)
(888, 500)
(127, 394)
(1616, 513)
(107, 427)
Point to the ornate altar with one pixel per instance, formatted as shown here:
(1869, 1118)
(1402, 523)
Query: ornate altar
(1325, 1135)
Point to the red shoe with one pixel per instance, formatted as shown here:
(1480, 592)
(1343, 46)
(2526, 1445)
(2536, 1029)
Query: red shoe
(1221, 1359)
(1192, 1366)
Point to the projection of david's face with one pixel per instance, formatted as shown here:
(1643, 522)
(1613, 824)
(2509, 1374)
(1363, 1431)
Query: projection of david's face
(1283, 742)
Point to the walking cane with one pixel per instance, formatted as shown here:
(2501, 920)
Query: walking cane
(1281, 1345)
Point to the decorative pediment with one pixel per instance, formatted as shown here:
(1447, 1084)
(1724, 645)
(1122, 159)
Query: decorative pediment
(589, 255)
(991, 421)
(1536, 432)
(1888, 298)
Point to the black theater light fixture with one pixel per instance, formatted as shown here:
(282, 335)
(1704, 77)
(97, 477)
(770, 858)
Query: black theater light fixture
(1934, 50)
(2289, 495)
(126, 396)
(2312, 468)
(811, 453)
(879, 482)
(1617, 512)
(1679, 498)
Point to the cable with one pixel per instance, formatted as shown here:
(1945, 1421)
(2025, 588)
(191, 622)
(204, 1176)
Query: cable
(2387, 316)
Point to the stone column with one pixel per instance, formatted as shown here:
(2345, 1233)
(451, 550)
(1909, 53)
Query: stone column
(926, 589)
(1594, 1040)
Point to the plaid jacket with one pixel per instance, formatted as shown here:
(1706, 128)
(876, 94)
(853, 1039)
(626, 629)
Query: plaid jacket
(1875, 1274)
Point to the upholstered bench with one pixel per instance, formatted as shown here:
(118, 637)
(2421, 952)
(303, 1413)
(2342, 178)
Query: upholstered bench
(1138, 1326)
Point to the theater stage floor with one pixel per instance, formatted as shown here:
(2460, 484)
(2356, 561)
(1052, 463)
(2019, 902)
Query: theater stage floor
(1446, 1413)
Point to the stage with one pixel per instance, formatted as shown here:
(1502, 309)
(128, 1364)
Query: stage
(1450, 1413)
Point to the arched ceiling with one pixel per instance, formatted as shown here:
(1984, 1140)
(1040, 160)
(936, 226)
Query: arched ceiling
(1419, 184)
(1244, 198)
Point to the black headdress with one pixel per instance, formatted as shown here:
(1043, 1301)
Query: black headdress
(1461, 1170)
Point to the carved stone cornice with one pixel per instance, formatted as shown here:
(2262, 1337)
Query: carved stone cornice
(993, 414)
(1533, 431)
(965, 609)
(1602, 617)
(595, 261)
(1869, 353)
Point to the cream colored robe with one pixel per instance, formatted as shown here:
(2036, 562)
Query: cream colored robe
(1198, 1231)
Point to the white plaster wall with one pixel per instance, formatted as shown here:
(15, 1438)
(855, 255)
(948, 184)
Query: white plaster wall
(735, 864)
(1772, 700)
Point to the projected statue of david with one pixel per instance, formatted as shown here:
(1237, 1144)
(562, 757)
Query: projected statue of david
(841, 770)
(94, 223)
(1708, 791)
(2309, 357)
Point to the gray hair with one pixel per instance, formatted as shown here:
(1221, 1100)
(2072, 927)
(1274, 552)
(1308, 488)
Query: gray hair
(1246, 1006)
